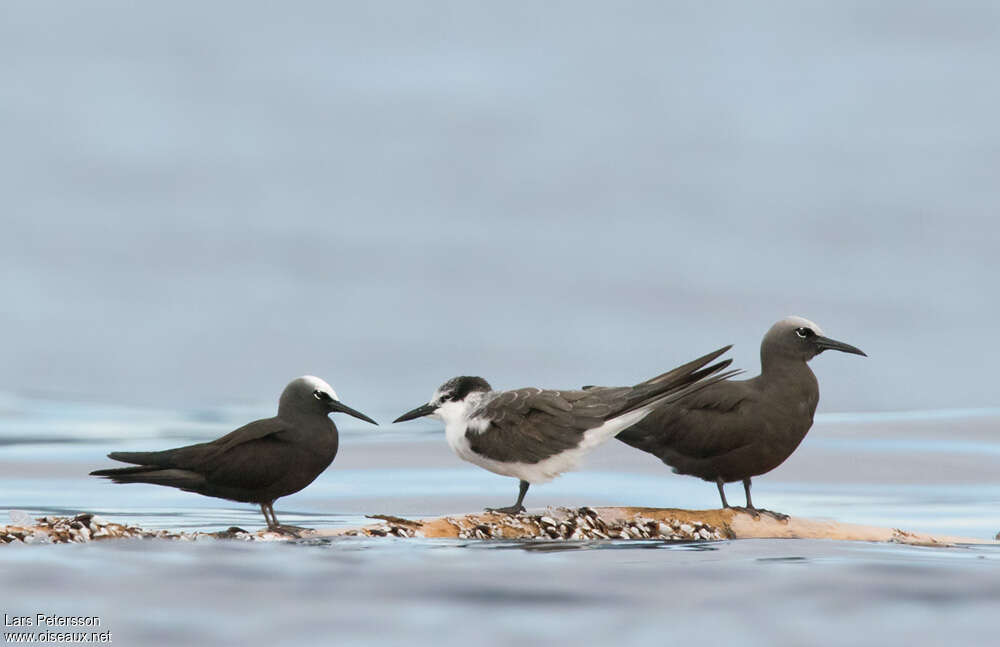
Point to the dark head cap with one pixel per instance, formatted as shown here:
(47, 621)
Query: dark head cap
(310, 395)
(457, 389)
(798, 338)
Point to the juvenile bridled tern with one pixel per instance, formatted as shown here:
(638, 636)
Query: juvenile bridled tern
(534, 434)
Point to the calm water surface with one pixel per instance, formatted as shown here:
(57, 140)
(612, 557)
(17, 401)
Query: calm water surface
(920, 471)
(201, 201)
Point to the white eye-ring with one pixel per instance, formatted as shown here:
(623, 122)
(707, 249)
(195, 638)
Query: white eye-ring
(804, 332)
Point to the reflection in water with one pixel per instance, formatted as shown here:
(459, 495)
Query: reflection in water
(544, 546)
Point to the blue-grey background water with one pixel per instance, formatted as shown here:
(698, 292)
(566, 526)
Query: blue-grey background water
(202, 201)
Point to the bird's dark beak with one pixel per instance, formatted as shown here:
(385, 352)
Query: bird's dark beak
(336, 405)
(825, 343)
(419, 412)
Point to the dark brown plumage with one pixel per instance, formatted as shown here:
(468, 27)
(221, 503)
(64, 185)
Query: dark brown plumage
(735, 430)
(257, 463)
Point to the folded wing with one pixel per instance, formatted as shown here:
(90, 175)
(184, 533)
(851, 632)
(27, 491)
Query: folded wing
(251, 457)
(697, 430)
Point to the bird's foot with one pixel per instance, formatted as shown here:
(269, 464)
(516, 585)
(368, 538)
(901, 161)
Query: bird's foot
(756, 512)
(779, 516)
(291, 531)
(512, 510)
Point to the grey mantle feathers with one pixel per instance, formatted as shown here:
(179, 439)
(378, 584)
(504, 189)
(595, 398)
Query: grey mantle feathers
(536, 434)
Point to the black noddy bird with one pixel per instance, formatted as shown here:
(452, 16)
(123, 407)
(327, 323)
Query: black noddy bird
(534, 435)
(735, 430)
(257, 463)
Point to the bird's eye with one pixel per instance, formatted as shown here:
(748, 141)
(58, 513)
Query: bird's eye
(804, 332)
(445, 397)
(316, 394)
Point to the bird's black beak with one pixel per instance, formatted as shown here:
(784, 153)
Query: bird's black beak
(336, 405)
(825, 343)
(419, 412)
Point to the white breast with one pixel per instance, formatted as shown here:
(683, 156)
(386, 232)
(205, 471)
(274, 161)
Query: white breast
(545, 470)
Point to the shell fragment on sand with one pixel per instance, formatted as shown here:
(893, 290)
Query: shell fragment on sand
(640, 524)
(554, 524)
(84, 528)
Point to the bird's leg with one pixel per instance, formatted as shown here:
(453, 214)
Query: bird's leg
(722, 491)
(517, 508)
(294, 531)
(752, 510)
(757, 511)
(267, 518)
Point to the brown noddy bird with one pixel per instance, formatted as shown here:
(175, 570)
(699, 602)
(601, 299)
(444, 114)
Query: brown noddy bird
(735, 430)
(257, 463)
(534, 434)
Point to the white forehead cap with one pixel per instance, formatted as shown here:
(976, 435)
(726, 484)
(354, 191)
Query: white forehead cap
(318, 384)
(802, 322)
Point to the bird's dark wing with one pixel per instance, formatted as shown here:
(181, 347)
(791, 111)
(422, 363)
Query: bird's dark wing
(252, 456)
(267, 429)
(700, 427)
(255, 463)
(530, 425)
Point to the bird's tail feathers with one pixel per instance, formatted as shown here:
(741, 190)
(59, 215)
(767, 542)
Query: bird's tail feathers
(679, 382)
(673, 396)
(163, 458)
(178, 478)
(673, 379)
(636, 410)
(686, 370)
(651, 401)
